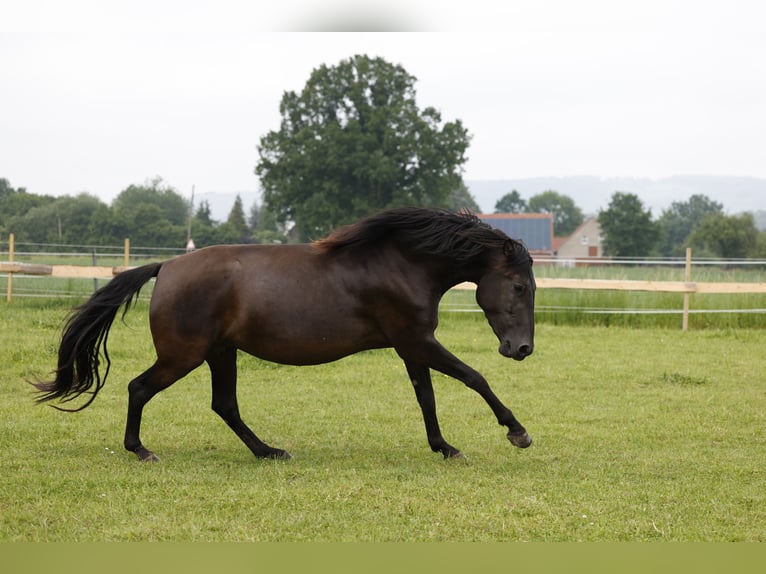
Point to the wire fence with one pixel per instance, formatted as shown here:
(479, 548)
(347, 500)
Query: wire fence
(651, 261)
(552, 303)
(57, 251)
(62, 250)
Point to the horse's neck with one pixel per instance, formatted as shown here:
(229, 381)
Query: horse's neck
(452, 273)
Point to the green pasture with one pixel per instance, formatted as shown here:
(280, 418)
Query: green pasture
(640, 434)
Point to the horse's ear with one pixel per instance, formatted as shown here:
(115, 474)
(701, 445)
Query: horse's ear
(509, 248)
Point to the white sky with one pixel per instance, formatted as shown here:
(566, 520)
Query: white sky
(95, 95)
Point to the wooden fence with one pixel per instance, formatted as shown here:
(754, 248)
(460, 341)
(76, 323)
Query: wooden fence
(687, 287)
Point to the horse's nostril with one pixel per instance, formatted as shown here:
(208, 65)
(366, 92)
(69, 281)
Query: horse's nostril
(525, 350)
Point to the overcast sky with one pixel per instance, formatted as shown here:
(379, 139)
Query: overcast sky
(98, 95)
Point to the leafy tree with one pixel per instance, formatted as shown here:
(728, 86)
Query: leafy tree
(264, 226)
(237, 220)
(7, 191)
(254, 217)
(203, 226)
(678, 221)
(511, 202)
(729, 236)
(14, 204)
(173, 206)
(628, 229)
(204, 215)
(461, 198)
(566, 215)
(354, 141)
(760, 246)
(151, 215)
(226, 233)
(67, 219)
(150, 227)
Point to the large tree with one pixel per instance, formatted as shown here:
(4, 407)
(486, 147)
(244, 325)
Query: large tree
(730, 236)
(680, 219)
(14, 204)
(354, 141)
(627, 227)
(566, 215)
(152, 215)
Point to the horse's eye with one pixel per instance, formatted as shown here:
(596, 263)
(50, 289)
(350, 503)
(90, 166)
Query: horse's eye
(518, 288)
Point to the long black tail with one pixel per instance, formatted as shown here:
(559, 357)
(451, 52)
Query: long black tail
(83, 342)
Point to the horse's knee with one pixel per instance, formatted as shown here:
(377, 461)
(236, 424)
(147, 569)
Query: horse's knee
(478, 383)
(227, 409)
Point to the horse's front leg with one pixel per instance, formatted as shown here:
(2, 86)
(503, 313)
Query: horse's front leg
(439, 358)
(420, 377)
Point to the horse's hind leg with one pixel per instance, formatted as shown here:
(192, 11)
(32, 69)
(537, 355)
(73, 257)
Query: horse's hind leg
(223, 369)
(140, 390)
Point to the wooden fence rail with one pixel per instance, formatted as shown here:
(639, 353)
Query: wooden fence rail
(62, 271)
(687, 287)
(656, 286)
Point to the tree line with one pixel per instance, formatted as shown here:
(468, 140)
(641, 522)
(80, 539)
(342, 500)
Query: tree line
(630, 230)
(152, 214)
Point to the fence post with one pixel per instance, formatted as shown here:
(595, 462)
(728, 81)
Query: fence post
(95, 262)
(687, 279)
(127, 252)
(10, 273)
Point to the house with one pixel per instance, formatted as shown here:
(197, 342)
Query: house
(583, 243)
(535, 230)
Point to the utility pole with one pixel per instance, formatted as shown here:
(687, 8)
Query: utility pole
(189, 242)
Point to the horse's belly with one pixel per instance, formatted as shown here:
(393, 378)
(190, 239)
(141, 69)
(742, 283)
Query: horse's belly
(306, 351)
(308, 342)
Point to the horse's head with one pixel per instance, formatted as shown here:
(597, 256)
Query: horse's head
(506, 294)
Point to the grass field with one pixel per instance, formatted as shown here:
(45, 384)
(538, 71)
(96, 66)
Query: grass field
(640, 434)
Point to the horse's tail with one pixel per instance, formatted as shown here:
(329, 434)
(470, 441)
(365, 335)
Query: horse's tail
(83, 341)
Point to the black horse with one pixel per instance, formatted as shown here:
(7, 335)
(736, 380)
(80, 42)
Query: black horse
(370, 285)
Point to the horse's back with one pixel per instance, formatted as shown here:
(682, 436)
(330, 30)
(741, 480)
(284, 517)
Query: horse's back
(285, 303)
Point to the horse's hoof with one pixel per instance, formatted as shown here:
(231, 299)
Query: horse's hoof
(145, 455)
(276, 454)
(522, 440)
(454, 455)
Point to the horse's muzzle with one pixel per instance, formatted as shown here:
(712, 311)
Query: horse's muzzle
(518, 353)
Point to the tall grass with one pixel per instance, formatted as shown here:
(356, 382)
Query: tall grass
(640, 434)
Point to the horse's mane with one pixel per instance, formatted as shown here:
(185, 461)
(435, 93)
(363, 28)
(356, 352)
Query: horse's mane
(436, 232)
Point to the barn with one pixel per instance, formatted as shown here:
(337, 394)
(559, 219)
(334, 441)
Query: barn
(585, 242)
(534, 229)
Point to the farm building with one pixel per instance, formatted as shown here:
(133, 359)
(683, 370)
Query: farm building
(584, 242)
(534, 229)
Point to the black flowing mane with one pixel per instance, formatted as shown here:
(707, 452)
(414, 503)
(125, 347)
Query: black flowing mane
(438, 232)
